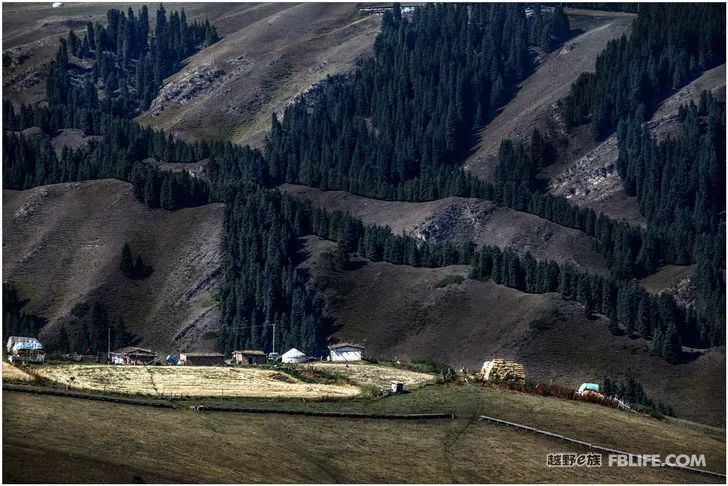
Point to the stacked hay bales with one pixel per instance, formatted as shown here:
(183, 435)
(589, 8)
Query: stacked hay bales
(502, 370)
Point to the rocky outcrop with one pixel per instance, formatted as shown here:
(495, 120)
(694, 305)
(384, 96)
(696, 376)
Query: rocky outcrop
(196, 82)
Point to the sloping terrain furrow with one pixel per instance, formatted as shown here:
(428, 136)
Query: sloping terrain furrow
(533, 105)
(62, 246)
(592, 179)
(463, 219)
(400, 312)
(230, 89)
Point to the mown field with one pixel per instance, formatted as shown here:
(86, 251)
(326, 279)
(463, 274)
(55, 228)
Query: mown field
(189, 381)
(53, 439)
(374, 375)
(306, 381)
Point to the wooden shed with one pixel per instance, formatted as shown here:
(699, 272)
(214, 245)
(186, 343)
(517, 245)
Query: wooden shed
(202, 359)
(249, 357)
(132, 355)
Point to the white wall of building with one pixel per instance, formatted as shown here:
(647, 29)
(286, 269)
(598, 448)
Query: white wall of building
(345, 354)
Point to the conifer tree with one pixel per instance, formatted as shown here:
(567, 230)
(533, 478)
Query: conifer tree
(127, 261)
(671, 348)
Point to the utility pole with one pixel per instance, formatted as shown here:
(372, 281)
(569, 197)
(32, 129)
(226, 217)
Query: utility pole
(274, 338)
(108, 346)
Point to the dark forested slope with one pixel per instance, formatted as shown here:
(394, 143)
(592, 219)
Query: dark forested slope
(397, 128)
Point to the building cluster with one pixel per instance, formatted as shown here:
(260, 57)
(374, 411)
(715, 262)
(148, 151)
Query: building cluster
(21, 349)
(404, 10)
(139, 356)
(530, 11)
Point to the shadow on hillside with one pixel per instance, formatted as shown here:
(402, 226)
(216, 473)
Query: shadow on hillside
(355, 264)
(689, 356)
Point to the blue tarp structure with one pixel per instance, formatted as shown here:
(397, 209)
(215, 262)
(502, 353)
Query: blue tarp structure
(589, 387)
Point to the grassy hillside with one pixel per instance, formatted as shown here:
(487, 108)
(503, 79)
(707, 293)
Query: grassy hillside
(461, 219)
(592, 180)
(62, 246)
(533, 105)
(666, 277)
(270, 54)
(31, 32)
(83, 442)
(402, 312)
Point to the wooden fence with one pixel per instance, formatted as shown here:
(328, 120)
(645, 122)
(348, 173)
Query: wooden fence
(314, 413)
(588, 445)
(87, 396)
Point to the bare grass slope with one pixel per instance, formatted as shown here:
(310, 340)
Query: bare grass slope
(31, 32)
(533, 105)
(402, 312)
(592, 179)
(81, 443)
(272, 53)
(462, 219)
(62, 246)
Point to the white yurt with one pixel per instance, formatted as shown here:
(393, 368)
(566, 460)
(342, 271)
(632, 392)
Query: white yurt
(294, 356)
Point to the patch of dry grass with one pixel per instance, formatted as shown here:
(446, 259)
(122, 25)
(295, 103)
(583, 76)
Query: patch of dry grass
(375, 375)
(192, 381)
(13, 373)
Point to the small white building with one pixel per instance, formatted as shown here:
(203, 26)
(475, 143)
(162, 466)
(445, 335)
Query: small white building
(13, 340)
(345, 352)
(23, 349)
(294, 356)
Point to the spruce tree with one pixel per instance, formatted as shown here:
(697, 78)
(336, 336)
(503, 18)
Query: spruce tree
(614, 325)
(671, 348)
(341, 256)
(166, 200)
(127, 261)
(658, 342)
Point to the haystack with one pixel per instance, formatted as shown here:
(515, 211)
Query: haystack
(502, 370)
